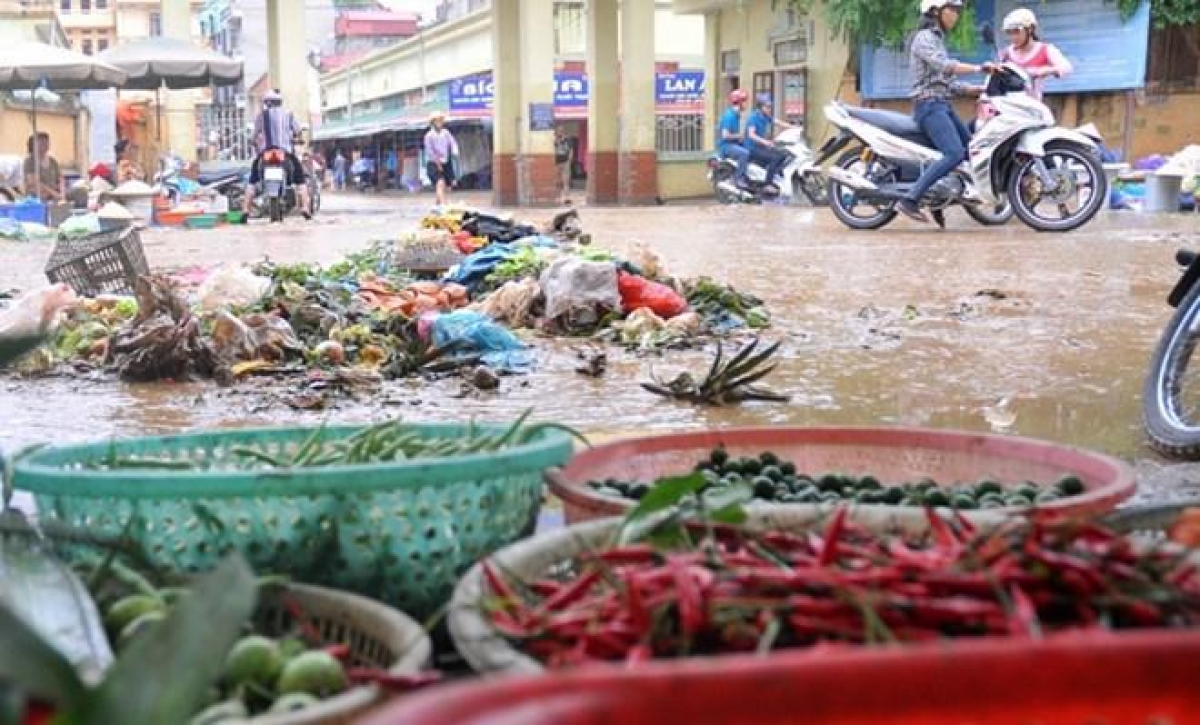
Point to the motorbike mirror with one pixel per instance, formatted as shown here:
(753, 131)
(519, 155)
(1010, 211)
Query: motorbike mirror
(988, 34)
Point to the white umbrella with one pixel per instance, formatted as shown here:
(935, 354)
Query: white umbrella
(32, 65)
(152, 63)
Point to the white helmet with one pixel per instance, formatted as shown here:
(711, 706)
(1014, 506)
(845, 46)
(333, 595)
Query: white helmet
(1020, 19)
(928, 6)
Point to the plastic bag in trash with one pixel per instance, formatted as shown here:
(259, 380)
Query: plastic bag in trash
(231, 287)
(639, 292)
(579, 293)
(79, 226)
(36, 314)
(477, 334)
(512, 303)
(474, 269)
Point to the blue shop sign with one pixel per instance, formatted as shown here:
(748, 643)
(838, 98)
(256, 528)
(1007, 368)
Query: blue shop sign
(1108, 53)
(475, 93)
(683, 87)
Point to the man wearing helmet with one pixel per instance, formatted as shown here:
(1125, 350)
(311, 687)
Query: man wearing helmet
(729, 135)
(1040, 60)
(758, 137)
(934, 87)
(276, 127)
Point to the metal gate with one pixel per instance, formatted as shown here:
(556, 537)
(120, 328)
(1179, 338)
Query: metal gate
(225, 133)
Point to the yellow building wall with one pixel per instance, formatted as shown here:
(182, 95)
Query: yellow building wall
(683, 179)
(747, 29)
(16, 125)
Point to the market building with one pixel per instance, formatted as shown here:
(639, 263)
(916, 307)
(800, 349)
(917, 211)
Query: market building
(481, 58)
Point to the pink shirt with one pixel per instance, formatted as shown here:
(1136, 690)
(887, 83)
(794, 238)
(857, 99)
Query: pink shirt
(1037, 58)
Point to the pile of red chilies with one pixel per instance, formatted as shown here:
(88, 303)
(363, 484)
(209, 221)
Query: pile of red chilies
(738, 592)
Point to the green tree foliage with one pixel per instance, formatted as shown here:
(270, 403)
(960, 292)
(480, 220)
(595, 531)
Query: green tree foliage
(886, 23)
(1165, 13)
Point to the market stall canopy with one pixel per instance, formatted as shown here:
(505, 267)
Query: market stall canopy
(28, 65)
(153, 63)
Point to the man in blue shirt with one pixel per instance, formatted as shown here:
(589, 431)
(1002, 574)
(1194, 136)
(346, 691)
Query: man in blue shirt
(729, 135)
(763, 150)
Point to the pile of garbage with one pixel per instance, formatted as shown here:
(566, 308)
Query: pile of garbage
(370, 317)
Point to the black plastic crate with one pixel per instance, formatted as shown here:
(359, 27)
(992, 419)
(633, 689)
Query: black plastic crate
(105, 263)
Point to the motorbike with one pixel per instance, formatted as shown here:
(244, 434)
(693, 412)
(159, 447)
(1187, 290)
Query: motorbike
(1169, 406)
(1051, 176)
(228, 182)
(800, 176)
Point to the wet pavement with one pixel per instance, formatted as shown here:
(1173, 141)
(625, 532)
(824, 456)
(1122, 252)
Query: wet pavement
(976, 328)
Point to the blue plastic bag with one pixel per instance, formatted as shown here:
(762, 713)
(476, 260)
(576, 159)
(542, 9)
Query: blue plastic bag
(474, 269)
(480, 334)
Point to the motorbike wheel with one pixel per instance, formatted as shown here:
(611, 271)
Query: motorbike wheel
(275, 209)
(720, 175)
(998, 215)
(1172, 411)
(314, 195)
(812, 188)
(843, 200)
(1078, 176)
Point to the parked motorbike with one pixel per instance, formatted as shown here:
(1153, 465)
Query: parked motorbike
(228, 182)
(1051, 175)
(799, 177)
(1170, 407)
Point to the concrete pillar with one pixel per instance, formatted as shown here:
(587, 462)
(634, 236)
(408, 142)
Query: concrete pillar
(604, 89)
(180, 107)
(714, 101)
(506, 104)
(538, 180)
(287, 54)
(637, 172)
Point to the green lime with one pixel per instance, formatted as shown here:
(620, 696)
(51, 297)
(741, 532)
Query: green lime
(253, 659)
(127, 609)
(316, 672)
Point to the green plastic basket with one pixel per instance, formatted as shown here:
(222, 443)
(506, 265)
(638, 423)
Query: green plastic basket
(402, 533)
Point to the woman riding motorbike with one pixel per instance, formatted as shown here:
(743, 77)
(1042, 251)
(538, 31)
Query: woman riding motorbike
(934, 87)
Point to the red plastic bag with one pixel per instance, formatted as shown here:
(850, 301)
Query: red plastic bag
(462, 240)
(637, 292)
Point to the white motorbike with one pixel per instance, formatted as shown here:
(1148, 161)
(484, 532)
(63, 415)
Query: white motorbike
(799, 176)
(1019, 161)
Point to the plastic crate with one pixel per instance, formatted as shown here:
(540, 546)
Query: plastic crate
(893, 455)
(28, 210)
(1139, 678)
(106, 263)
(401, 532)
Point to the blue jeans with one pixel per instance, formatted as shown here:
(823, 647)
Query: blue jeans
(741, 155)
(948, 134)
(770, 158)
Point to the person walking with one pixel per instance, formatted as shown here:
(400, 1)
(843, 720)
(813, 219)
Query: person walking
(440, 148)
(339, 171)
(564, 159)
(934, 87)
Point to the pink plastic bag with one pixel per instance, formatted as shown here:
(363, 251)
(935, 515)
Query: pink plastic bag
(637, 292)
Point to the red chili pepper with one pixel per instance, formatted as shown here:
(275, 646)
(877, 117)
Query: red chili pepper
(393, 682)
(635, 603)
(1023, 621)
(38, 713)
(942, 533)
(500, 587)
(508, 626)
(339, 651)
(545, 588)
(569, 594)
(691, 602)
(638, 554)
(833, 532)
(638, 654)
(297, 614)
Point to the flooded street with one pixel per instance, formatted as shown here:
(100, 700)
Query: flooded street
(975, 328)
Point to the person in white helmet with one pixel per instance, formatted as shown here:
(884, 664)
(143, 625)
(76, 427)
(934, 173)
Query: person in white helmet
(276, 127)
(1040, 60)
(935, 83)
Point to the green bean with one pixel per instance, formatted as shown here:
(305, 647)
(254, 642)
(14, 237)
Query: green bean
(257, 455)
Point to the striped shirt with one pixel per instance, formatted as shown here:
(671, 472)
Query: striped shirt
(275, 127)
(932, 67)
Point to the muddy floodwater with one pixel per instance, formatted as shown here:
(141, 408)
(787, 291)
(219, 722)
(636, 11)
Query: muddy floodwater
(974, 328)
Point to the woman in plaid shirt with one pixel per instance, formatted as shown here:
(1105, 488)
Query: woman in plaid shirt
(935, 84)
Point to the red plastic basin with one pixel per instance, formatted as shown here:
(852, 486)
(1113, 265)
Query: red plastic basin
(893, 455)
(1139, 678)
